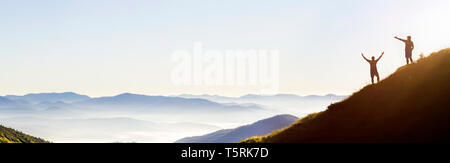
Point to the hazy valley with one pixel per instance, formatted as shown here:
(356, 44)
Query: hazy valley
(71, 117)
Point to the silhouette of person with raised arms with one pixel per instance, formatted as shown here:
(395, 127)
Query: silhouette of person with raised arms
(409, 46)
(373, 66)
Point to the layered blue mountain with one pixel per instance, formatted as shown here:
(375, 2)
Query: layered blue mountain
(252, 97)
(261, 127)
(42, 101)
(66, 97)
(4, 102)
(12, 105)
(128, 100)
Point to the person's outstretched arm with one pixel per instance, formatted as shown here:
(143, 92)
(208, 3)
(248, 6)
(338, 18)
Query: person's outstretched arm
(364, 57)
(380, 56)
(399, 39)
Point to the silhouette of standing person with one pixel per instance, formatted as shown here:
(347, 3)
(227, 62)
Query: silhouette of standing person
(409, 46)
(373, 67)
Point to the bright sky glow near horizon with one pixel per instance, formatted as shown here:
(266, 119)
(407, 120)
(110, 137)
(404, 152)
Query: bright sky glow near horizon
(108, 47)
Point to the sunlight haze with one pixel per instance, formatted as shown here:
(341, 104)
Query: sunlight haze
(105, 48)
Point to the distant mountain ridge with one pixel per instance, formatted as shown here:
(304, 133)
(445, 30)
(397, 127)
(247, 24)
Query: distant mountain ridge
(271, 100)
(59, 103)
(4, 100)
(136, 100)
(261, 127)
(66, 97)
(71, 97)
(255, 96)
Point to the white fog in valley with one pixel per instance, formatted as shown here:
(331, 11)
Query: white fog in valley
(70, 117)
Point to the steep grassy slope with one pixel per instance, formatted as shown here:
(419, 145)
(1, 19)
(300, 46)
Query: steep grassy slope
(411, 105)
(8, 135)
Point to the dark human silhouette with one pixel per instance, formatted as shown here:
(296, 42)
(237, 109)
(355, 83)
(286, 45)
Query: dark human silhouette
(409, 46)
(373, 66)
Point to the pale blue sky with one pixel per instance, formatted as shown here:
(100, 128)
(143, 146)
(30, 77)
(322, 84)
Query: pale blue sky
(107, 47)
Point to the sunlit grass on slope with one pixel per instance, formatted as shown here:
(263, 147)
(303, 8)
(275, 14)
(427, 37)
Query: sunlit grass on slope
(411, 105)
(9, 135)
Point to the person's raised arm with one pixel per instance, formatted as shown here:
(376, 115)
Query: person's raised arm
(380, 56)
(399, 39)
(364, 57)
